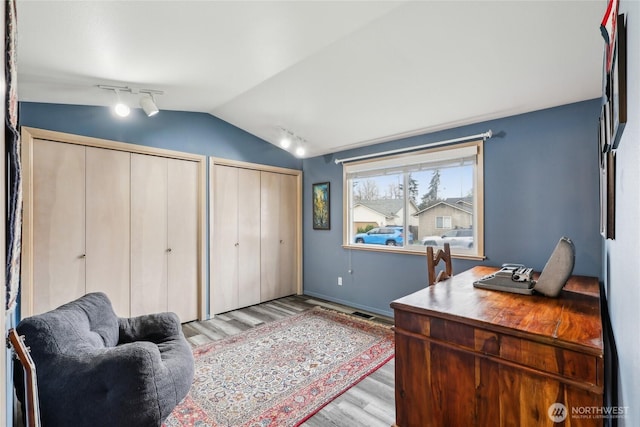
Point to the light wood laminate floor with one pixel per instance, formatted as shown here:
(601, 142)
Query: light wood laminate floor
(370, 403)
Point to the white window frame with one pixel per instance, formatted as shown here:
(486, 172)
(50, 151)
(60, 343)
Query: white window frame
(406, 161)
(445, 220)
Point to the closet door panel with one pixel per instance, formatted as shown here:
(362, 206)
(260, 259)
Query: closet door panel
(224, 240)
(148, 234)
(107, 225)
(248, 237)
(58, 224)
(183, 239)
(288, 237)
(270, 235)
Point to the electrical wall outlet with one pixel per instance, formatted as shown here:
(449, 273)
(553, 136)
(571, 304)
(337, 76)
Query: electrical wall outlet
(339, 281)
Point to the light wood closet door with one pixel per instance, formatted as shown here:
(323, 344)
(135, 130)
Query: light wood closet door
(148, 234)
(270, 235)
(235, 244)
(224, 242)
(59, 226)
(107, 225)
(278, 225)
(249, 253)
(182, 208)
(288, 236)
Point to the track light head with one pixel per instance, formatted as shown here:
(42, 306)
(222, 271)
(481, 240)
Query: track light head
(148, 105)
(286, 139)
(122, 109)
(300, 149)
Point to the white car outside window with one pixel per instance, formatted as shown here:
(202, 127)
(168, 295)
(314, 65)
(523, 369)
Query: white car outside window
(460, 237)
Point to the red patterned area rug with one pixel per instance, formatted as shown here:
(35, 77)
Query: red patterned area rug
(283, 372)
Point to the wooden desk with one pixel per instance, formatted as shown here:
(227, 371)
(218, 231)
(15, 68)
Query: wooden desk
(474, 357)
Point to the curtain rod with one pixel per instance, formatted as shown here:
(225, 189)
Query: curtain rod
(484, 136)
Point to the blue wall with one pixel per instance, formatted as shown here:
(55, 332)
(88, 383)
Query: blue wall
(541, 183)
(198, 133)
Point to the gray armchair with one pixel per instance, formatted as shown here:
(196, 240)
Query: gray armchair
(95, 369)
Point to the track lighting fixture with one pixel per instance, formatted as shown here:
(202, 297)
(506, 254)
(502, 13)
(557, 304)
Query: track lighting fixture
(122, 109)
(300, 151)
(287, 140)
(149, 106)
(147, 101)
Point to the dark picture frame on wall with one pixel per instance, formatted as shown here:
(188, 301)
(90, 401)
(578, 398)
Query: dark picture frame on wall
(611, 195)
(603, 198)
(321, 200)
(607, 174)
(617, 84)
(605, 131)
(608, 195)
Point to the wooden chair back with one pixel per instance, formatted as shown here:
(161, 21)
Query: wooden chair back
(32, 406)
(434, 259)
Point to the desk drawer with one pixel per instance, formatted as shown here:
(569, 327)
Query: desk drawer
(547, 358)
(440, 329)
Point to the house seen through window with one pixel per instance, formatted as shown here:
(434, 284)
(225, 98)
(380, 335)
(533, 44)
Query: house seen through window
(406, 202)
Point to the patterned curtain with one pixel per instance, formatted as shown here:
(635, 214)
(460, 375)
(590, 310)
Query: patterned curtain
(14, 172)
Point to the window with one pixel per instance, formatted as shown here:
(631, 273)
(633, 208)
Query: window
(406, 202)
(443, 222)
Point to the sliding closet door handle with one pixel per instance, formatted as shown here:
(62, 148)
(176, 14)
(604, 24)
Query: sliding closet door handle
(168, 249)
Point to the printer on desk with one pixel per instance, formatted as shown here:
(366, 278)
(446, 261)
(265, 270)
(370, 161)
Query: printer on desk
(517, 278)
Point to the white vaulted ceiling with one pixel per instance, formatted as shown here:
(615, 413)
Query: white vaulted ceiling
(340, 74)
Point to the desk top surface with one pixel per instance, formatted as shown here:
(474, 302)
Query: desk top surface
(571, 320)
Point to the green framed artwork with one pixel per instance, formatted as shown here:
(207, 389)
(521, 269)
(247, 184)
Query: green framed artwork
(321, 218)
